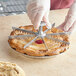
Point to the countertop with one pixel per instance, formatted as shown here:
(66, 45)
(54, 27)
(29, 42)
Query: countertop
(60, 65)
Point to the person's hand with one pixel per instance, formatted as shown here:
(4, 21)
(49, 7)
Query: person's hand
(70, 21)
(38, 10)
(66, 27)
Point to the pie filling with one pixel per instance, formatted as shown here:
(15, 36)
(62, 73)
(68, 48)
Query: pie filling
(39, 41)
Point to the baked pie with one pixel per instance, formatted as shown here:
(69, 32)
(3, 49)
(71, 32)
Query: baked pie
(10, 69)
(37, 48)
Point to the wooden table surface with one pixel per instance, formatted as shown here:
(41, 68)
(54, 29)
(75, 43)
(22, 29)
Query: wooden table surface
(60, 65)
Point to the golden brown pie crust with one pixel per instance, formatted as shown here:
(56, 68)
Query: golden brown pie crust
(10, 69)
(35, 49)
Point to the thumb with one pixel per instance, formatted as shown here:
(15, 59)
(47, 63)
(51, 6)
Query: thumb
(72, 28)
(68, 24)
(46, 20)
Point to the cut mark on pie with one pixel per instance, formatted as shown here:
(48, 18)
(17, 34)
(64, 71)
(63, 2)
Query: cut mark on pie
(39, 41)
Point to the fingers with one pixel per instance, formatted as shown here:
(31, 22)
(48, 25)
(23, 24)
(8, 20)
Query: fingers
(36, 14)
(61, 26)
(46, 20)
(36, 10)
(72, 28)
(32, 11)
(48, 24)
(68, 24)
(32, 15)
(38, 18)
(71, 17)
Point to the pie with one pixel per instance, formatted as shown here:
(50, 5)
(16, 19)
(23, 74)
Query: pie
(10, 69)
(37, 48)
